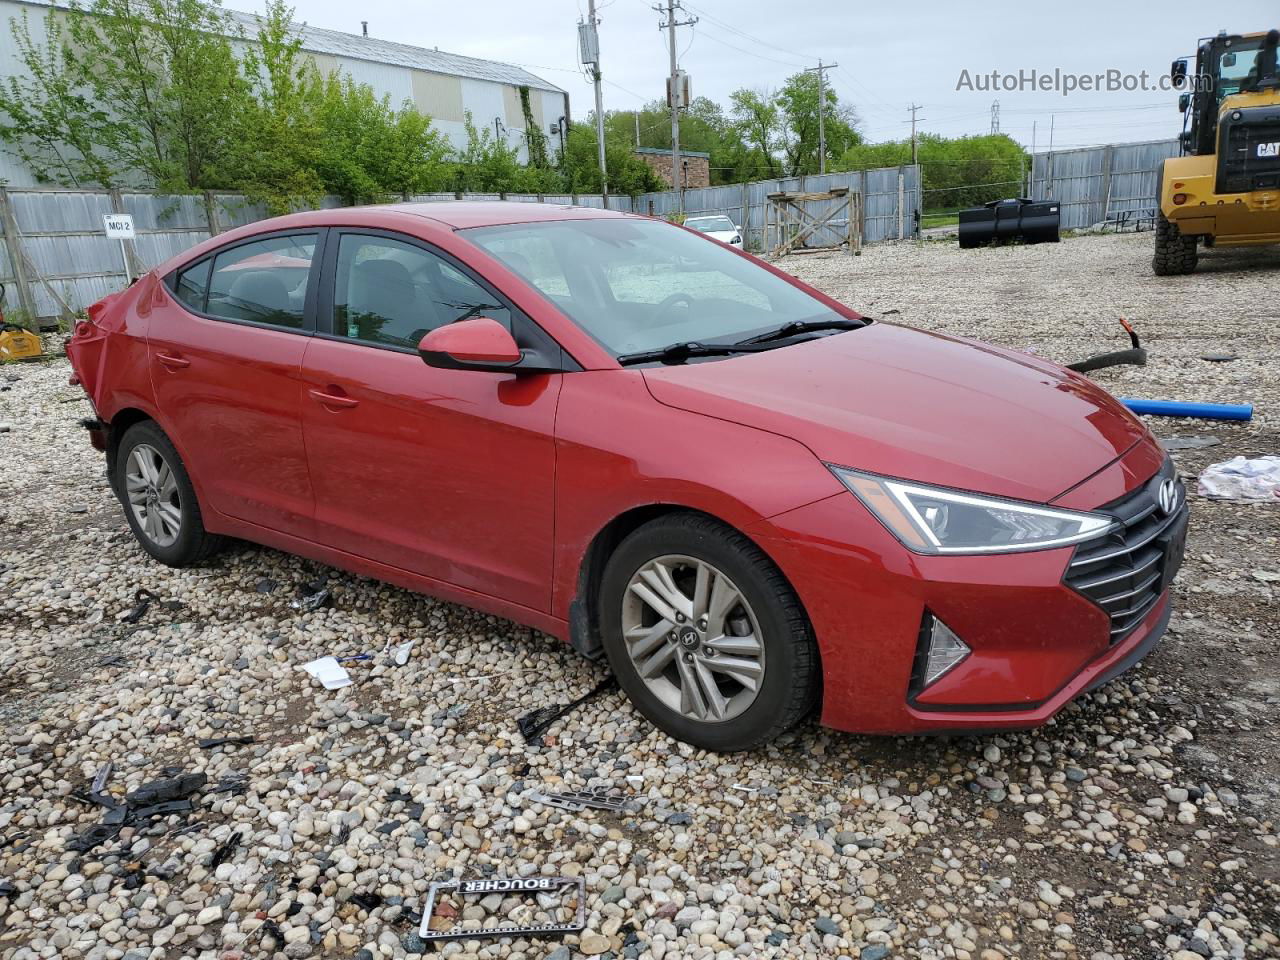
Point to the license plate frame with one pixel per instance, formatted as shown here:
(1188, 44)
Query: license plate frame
(482, 888)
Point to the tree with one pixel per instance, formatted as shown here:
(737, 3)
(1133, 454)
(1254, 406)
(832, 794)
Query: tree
(758, 119)
(627, 173)
(52, 126)
(958, 172)
(797, 103)
(166, 73)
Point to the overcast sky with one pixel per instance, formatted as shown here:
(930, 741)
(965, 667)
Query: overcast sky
(889, 54)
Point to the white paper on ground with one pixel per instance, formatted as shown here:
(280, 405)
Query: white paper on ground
(329, 672)
(1242, 479)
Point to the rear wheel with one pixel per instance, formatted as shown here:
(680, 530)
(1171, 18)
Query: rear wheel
(705, 635)
(159, 501)
(1175, 254)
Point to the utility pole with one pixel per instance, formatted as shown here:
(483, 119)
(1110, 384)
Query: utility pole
(995, 117)
(674, 92)
(820, 70)
(589, 49)
(914, 151)
(637, 116)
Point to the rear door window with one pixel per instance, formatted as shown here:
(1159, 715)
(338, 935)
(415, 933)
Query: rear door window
(192, 285)
(264, 281)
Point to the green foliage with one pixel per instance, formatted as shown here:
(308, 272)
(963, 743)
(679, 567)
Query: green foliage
(958, 172)
(780, 128)
(535, 140)
(581, 165)
(52, 126)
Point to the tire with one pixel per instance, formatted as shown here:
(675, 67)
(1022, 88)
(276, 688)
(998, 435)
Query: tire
(163, 514)
(1175, 254)
(750, 705)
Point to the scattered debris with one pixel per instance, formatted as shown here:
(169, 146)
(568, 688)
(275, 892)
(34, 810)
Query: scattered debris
(1242, 479)
(226, 849)
(1219, 357)
(582, 799)
(210, 743)
(1135, 355)
(536, 722)
(312, 595)
(1188, 443)
(1179, 408)
(159, 798)
(142, 603)
(367, 901)
(400, 653)
(265, 585)
(331, 674)
(506, 885)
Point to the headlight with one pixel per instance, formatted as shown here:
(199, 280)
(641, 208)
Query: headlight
(938, 521)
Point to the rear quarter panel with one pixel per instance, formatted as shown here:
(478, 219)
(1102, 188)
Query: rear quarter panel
(109, 353)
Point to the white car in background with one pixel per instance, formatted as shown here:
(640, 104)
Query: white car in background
(720, 228)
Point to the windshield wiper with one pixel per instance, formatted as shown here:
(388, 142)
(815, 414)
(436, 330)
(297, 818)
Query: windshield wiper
(680, 352)
(803, 326)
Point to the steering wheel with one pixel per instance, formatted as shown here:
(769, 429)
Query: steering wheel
(665, 307)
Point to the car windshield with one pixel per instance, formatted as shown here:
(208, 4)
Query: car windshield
(707, 224)
(638, 285)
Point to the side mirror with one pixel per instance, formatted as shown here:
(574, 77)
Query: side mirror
(479, 343)
(737, 229)
(1178, 72)
(1184, 101)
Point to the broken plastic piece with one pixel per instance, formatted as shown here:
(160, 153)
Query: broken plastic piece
(311, 601)
(161, 791)
(367, 900)
(537, 722)
(400, 653)
(210, 742)
(506, 885)
(142, 601)
(225, 849)
(1188, 443)
(331, 674)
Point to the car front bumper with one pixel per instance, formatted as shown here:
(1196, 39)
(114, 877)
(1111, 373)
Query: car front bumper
(1035, 641)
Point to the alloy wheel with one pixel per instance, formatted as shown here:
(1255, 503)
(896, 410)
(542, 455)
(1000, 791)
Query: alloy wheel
(152, 491)
(693, 638)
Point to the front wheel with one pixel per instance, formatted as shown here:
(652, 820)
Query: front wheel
(705, 635)
(1175, 254)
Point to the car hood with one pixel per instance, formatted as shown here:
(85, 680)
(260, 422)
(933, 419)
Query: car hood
(920, 406)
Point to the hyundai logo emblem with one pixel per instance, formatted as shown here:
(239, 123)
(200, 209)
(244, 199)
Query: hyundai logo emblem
(1168, 496)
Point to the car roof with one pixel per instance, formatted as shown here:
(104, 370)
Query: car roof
(461, 214)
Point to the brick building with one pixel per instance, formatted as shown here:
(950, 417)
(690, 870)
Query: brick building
(696, 167)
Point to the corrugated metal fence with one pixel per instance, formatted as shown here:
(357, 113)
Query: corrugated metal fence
(55, 259)
(890, 199)
(1098, 184)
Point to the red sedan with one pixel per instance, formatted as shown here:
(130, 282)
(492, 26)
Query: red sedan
(747, 497)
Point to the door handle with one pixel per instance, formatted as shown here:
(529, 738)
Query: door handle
(173, 363)
(333, 400)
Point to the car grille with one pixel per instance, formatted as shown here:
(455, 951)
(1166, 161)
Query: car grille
(1126, 571)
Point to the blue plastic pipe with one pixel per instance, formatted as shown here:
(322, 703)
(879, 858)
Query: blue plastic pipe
(1177, 408)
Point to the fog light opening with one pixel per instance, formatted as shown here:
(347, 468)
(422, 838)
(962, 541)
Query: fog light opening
(941, 651)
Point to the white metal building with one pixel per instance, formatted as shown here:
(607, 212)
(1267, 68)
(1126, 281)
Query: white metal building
(445, 86)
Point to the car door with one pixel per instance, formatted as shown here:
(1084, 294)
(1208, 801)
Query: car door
(225, 351)
(445, 473)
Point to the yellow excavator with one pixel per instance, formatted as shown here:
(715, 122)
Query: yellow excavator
(1224, 188)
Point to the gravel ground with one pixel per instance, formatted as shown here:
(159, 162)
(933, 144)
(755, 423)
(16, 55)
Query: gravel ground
(1140, 824)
